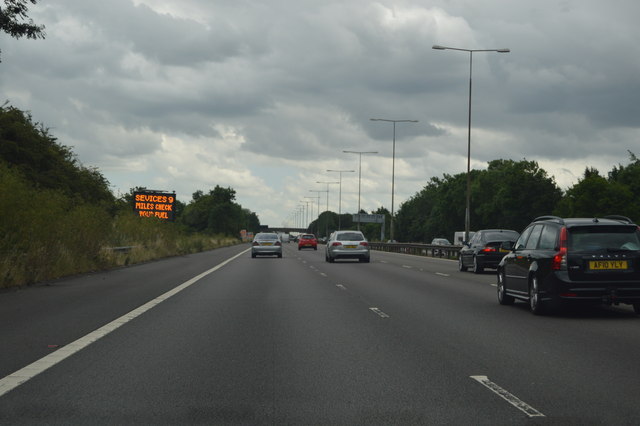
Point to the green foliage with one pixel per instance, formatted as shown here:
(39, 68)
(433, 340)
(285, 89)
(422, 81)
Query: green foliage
(506, 195)
(15, 22)
(60, 218)
(597, 196)
(30, 149)
(45, 234)
(218, 213)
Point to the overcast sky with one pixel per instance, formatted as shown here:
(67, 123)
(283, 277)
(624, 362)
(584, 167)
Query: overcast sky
(263, 96)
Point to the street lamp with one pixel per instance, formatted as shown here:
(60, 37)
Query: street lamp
(318, 197)
(312, 202)
(360, 175)
(393, 164)
(340, 194)
(327, 221)
(467, 214)
(307, 213)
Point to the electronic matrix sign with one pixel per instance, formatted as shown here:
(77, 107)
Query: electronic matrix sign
(155, 204)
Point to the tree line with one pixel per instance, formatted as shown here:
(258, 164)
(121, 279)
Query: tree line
(59, 217)
(507, 195)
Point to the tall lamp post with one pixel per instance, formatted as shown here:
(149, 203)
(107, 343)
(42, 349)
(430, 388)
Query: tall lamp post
(360, 175)
(306, 202)
(318, 198)
(311, 214)
(340, 194)
(467, 213)
(393, 165)
(327, 221)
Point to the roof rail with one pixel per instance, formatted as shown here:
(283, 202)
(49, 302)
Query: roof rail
(556, 218)
(618, 217)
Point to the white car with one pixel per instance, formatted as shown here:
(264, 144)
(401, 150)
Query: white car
(266, 244)
(347, 245)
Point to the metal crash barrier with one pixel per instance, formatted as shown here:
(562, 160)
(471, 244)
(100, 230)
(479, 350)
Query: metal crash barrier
(428, 250)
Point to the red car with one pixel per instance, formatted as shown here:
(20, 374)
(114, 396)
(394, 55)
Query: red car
(307, 241)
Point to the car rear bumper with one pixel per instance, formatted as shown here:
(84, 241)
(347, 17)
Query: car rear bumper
(560, 287)
(266, 251)
(349, 254)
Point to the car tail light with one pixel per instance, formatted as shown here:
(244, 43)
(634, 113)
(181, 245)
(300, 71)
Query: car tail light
(278, 243)
(364, 243)
(559, 261)
(336, 243)
(488, 249)
(255, 243)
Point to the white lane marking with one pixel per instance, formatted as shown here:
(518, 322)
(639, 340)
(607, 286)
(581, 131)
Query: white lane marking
(510, 398)
(379, 312)
(493, 285)
(25, 374)
(442, 275)
(341, 287)
(383, 261)
(323, 274)
(407, 266)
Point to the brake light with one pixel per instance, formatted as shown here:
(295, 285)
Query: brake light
(255, 243)
(559, 261)
(278, 243)
(489, 249)
(336, 243)
(364, 243)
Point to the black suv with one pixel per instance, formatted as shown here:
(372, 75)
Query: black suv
(556, 260)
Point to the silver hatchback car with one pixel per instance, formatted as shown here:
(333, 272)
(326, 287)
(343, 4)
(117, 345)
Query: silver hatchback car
(347, 245)
(266, 243)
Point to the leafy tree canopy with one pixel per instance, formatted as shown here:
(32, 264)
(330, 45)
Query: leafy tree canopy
(31, 150)
(15, 22)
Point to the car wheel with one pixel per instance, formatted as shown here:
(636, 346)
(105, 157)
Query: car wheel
(535, 304)
(364, 260)
(461, 266)
(636, 308)
(253, 255)
(503, 297)
(315, 248)
(279, 255)
(477, 268)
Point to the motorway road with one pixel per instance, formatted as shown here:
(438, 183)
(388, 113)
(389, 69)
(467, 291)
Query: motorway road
(402, 340)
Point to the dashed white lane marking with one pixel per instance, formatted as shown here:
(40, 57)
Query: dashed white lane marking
(442, 275)
(323, 274)
(407, 266)
(493, 285)
(25, 374)
(383, 261)
(341, 287)
(510, 398)
(379, 313)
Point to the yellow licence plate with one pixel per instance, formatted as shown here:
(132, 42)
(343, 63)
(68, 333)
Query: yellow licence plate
(602, 265)
(267, 244)
(351, 246)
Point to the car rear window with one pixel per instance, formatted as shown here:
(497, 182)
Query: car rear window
(501, 236)
(308, 237)
(604, 238)
(350, 236)
(267, 237)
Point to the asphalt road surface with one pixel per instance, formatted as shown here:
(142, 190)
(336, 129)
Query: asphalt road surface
(220, 338)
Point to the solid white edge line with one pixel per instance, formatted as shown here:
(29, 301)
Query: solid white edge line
(25, 374)
(510, 398)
